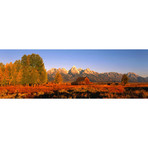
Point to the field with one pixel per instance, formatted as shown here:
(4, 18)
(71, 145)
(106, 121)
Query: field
(131, 90)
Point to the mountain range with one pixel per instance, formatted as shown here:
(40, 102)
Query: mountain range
(72, 74)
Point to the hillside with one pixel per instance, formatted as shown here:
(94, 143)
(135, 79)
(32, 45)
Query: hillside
(74, 73)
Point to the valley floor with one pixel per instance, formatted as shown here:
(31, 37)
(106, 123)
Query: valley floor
(131, 90)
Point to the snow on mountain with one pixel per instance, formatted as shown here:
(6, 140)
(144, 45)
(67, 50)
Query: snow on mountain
(74, 73)
(74, 70)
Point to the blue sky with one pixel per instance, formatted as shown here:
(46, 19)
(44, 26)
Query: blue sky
(122, 61)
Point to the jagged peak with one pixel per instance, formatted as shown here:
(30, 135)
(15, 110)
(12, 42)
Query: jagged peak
(63, 69)
(73, 67)
(80, 69)
(52, 70)
(70, 75)
(74, 70)
(87, 69)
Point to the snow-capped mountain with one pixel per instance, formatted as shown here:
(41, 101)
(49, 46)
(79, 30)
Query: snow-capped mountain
(74, 73)
(73, 70)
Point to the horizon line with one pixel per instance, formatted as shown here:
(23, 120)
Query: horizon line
(98, 72)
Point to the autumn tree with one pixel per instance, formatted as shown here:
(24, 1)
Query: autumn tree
(16, 73)
(124, 79)
(19, 77)
(1, 76)
(2, 69)
(33, 70)
(58, 78)
(43, 77)
(25, 70)
(8, 74)
(29, 70)
(2, 66)
(34, 77)
(36, 62)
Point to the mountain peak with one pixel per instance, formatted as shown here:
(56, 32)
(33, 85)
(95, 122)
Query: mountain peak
(132, 74)
(63, 70)
(52, 70)
(73, 66)
(80, 69)
(74, 73)
(88, 69)
(74, 70)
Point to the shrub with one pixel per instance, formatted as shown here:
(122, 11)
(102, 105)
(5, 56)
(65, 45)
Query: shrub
(124, 79)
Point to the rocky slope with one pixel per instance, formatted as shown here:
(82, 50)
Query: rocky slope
(74, 73)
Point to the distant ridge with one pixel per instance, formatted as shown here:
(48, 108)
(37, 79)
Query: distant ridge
(74, 73)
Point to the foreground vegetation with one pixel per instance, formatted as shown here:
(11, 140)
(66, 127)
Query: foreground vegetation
(134, 90)
(27, 78)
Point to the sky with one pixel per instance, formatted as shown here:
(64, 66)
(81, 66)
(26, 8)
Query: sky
(121, 61)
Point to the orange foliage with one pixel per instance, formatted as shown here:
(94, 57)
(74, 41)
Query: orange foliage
(73, 91)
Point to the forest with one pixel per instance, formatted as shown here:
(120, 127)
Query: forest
(30, 70)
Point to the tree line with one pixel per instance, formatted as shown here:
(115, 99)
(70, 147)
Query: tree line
(30, 70)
